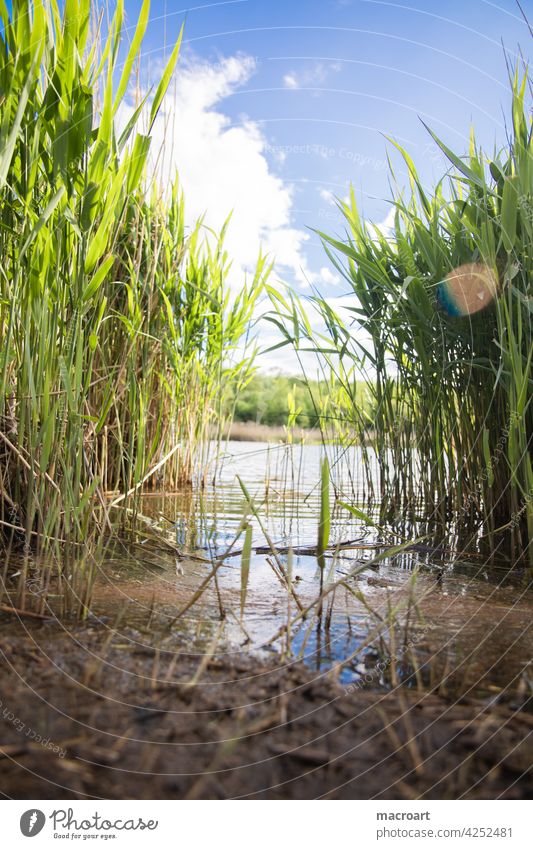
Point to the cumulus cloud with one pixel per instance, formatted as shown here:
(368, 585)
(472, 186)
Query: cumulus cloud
(223, 167)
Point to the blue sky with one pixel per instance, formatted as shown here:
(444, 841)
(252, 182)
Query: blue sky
(281, 105)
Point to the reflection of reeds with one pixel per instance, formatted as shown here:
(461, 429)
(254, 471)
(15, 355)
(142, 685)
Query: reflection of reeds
(117, 326)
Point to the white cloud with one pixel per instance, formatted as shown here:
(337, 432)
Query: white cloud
(327, 196)
(317, 74)
(290, 81)
(223, 167)
(328, 277)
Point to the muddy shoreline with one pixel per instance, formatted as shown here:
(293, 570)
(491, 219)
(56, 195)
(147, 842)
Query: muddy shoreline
(88, 712)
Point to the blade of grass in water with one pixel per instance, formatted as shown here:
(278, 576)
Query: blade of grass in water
(325, 514)
(246, 557)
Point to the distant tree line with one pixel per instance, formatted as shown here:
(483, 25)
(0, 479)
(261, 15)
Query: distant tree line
(271, 399)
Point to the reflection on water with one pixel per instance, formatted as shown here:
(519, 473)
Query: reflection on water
(283, 479)
(460, 618)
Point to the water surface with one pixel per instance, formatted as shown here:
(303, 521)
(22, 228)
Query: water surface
(455, 613)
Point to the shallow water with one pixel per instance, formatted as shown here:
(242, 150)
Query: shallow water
(462, 618)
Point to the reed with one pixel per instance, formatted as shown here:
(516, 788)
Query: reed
(451, 388)
(119, 330)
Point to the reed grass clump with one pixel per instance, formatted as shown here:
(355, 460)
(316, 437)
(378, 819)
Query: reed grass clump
(453, 419)
(119, 330)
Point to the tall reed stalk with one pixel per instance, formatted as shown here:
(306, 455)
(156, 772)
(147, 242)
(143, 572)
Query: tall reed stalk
(452, 395)
(119, 332)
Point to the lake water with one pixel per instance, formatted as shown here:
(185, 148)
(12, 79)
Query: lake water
(450, 608)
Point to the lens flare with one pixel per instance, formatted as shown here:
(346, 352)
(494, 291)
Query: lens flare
(467, 289)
